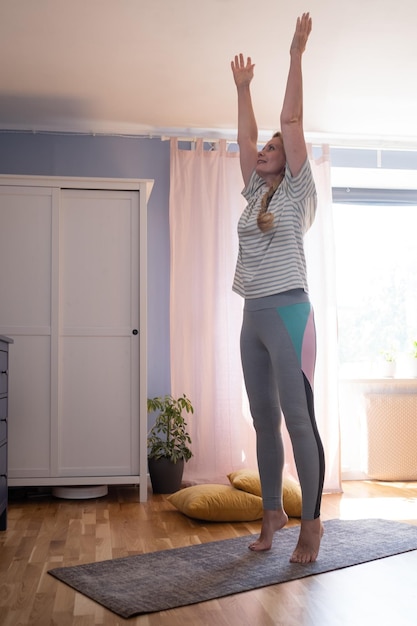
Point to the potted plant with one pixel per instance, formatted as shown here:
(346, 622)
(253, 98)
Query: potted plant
(389, 363)
(168, 442)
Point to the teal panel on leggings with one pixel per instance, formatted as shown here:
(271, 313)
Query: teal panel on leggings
(295, 317)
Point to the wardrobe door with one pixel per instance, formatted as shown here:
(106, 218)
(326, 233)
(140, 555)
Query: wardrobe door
(27, 224)
(97, 431)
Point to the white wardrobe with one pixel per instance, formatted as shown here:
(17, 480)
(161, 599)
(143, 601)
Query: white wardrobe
(73, 298)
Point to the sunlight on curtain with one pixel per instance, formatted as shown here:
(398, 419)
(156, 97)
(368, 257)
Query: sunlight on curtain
(320, 256)
(206, 316)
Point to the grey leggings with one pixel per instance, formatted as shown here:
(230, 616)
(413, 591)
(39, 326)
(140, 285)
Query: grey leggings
(278, 348)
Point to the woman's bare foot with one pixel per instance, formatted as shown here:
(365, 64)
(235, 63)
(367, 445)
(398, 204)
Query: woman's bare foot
(309, 540)
(271, 522)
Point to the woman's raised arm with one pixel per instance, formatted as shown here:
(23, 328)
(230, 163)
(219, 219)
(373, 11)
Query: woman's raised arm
(247, 129)
(292, 108)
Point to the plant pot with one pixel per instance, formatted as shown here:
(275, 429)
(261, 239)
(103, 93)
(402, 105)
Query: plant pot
(388, 369)
(166, 476)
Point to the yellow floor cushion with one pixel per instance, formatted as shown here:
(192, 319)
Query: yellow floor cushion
(240, 501)
(217, 503)
(249, 481)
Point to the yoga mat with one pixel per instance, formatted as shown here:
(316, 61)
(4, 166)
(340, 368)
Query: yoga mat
(166, 579)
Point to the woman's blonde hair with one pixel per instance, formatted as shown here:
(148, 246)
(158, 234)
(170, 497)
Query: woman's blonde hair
(265, 218)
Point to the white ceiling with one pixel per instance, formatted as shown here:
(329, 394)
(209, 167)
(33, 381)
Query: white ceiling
(153, 67)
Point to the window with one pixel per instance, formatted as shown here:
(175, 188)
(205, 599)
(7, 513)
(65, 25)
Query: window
(376, 268)
(376, 274)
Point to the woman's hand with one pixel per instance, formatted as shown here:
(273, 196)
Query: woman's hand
(302, 32)
(242, 72)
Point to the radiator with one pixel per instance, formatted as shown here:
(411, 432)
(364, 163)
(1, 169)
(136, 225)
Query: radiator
(392, 436)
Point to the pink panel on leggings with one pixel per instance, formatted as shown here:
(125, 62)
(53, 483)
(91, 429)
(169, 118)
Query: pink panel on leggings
(308, 350)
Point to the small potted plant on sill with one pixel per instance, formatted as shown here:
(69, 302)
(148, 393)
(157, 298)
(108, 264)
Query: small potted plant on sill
(389, 363)
(168, 442)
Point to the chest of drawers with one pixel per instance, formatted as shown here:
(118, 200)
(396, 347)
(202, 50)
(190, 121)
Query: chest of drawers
(4, 386)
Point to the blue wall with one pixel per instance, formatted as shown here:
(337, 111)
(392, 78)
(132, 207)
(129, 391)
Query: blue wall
(46, 154)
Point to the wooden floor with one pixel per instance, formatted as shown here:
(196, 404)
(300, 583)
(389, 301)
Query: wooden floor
(45, 532)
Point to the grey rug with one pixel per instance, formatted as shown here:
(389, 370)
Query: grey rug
(163, 580)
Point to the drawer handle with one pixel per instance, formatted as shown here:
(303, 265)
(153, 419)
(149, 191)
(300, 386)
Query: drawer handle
(5, 372)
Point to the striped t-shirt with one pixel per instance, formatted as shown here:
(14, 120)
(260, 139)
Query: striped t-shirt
(274, 261)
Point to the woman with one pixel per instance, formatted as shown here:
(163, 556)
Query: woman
(278, 333)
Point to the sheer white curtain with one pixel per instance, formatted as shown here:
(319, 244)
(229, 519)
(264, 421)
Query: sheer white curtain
(320, 254)
(205, 205)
